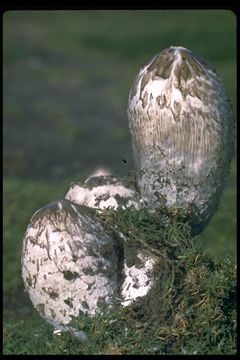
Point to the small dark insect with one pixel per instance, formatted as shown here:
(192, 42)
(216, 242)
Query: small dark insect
(125, 161)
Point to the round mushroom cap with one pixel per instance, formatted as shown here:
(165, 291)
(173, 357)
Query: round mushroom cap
(70, 264)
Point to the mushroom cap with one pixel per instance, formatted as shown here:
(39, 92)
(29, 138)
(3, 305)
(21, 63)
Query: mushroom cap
(181, 124)
(70, 264)
(102, 192)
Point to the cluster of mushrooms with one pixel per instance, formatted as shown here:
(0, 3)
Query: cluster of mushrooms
(181, 125)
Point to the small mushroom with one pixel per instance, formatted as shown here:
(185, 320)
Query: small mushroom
(70, 264)
(181, 125)
(102, 192)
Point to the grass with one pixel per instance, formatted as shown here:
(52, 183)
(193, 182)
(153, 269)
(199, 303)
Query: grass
(197, 301)
(67, 76)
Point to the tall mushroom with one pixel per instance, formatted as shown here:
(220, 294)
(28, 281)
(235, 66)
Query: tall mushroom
(181, 124)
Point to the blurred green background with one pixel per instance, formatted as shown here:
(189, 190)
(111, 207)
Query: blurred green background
(67, 76)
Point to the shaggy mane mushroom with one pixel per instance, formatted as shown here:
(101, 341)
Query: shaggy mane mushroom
(181, 125)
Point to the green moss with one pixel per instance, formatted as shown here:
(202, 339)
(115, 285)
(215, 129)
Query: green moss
(194, 296)
(194, 314)
(156, 231)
